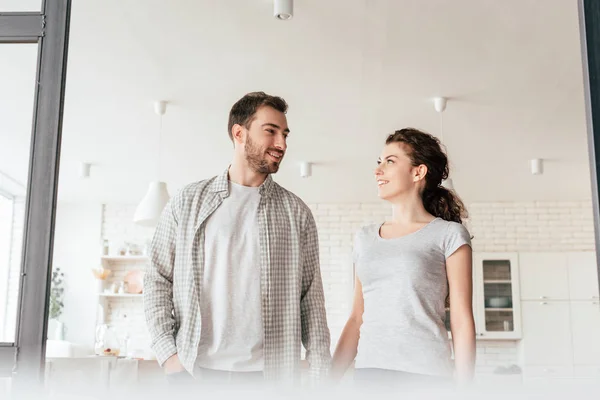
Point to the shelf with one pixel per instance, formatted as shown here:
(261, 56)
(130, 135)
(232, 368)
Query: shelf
(498, 309)
(120, 295)
(498, 281)
(125, 258)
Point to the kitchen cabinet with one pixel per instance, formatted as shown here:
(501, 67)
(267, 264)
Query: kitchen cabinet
(497, 291)
(561, 315)
(496, 301)
(585, 326)
(547, 334)
(544, 276)
(583, 276)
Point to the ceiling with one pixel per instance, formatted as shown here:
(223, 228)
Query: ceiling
(352, 71)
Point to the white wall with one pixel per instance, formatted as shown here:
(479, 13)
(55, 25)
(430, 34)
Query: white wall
(76, 251)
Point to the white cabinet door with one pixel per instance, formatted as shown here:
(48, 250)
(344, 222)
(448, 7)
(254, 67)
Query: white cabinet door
(585, 320)
(497, 293)
(583, 276)
(546, 333)
(544, 276)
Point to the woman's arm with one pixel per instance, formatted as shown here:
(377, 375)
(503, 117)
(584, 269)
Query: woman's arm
(347, 346)
(460, 279)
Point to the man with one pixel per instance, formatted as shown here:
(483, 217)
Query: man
(234, 285)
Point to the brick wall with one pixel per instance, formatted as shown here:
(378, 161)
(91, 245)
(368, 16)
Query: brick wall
(534, 226)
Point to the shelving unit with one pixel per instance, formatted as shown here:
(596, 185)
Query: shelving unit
(120, 266)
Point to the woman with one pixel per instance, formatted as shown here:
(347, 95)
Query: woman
(406, 271)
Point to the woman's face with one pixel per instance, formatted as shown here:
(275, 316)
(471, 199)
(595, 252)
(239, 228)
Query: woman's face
(395, 174)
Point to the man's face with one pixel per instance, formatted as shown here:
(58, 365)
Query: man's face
(265, 143)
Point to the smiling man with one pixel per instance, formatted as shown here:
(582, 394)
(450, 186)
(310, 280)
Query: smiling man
(234, 287)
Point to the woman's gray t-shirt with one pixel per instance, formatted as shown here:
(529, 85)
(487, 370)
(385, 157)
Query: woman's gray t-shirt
(404, 289)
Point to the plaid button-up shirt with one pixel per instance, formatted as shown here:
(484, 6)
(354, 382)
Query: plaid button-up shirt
(293, 304)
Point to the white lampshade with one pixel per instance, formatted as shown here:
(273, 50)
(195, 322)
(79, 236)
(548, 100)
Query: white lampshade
(448, 184)
(152, 205)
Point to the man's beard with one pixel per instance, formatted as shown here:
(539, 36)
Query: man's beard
(256, 158)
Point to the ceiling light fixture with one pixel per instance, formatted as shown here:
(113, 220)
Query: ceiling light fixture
(439, 103)
(283, 9)
(305, 169)
(156, 198)
(537, 166)
(84, 170)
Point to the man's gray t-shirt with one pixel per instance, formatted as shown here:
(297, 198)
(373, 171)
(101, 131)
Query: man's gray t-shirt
(405, 287)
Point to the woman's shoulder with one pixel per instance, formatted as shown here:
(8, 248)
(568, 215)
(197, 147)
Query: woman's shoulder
(453, 227)
(455, 235)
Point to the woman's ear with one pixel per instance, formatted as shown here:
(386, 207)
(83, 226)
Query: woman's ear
(420, 173)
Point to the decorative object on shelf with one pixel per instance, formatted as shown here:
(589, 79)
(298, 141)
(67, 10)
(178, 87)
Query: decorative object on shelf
(101, 274)
(135, 281)
(56, 327)
(107, 343)
(114, 288)
(134, 249)
(105, 247)
(498, 302)
(122, 250)
(121, 288)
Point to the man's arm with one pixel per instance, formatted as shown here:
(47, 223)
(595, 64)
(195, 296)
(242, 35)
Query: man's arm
(158, 286)
(315, 332)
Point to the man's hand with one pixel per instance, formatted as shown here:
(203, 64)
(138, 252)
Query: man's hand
(173, 365)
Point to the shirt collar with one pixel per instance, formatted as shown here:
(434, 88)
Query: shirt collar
(221, 185)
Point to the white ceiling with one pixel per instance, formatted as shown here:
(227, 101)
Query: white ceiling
(352, 71)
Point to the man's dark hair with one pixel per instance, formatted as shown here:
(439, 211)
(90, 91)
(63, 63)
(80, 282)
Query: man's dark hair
(244, 110)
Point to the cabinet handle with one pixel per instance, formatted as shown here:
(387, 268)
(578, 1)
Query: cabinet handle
(543, 302)
(548, 370)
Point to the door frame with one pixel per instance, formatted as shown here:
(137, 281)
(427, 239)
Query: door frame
(49, 29)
